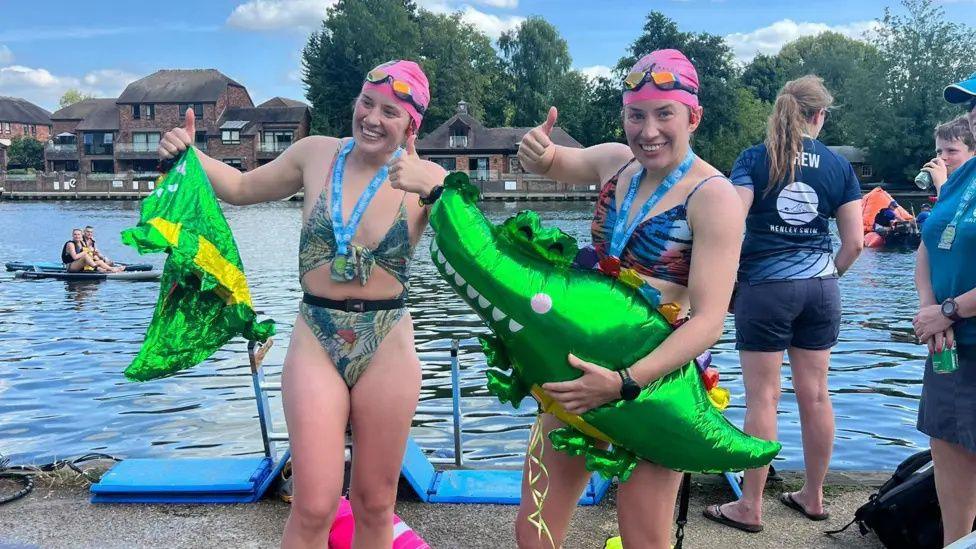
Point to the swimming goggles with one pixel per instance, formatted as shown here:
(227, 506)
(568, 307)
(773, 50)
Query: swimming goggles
(661, 80)
(401, 89)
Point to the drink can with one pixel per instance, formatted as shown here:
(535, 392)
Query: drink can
(946, 361)
(923, 180)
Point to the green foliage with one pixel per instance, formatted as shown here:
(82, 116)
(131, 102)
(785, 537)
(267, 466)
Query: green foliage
(900, 102)
(72, 96)
(537, 60)
(26, 152)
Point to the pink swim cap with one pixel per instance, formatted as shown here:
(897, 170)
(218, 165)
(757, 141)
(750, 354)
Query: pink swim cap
(412, 74)
(672, 61)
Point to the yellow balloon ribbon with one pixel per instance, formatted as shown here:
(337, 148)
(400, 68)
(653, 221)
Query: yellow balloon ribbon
(536, 444)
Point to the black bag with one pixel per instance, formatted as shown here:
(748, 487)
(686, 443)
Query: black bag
(904, 513)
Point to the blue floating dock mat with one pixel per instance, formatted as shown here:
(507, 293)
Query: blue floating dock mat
(499, 486)
(187, 480)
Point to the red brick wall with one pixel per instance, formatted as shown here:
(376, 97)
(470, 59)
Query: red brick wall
(234, 97)
(18, 129)
(246, 150)
(3, 159)
(167, 118)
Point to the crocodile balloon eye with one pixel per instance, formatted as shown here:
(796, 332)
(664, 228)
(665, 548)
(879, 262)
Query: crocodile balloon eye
(557, 248)
(526, 232)
(541, 303)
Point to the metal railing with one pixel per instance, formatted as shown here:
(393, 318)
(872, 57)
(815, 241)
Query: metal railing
(137, 147)
(61, 147)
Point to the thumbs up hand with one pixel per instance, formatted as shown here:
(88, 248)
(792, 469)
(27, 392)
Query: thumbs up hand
(411, 173)
(536, 151)
(177, 140)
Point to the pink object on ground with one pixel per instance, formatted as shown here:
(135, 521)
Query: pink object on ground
(340, 536)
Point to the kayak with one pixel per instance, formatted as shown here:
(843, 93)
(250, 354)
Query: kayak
(89, 275)
(58, 267)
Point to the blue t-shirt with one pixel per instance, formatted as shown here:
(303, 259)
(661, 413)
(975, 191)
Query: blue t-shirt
(787, 231)
(951, 271)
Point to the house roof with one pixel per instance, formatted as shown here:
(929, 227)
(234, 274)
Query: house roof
(15, 109)
(282, 102)
(81, 109)
(178, 86)
(482, 139)
(103, 115)
(854, 155)
(259, 117)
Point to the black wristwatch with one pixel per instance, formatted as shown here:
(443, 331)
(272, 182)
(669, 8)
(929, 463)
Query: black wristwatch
(432, 197)
(629, 389)
(950, 310)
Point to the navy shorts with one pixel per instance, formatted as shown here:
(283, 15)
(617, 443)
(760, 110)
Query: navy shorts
(947, 410)
(778, 314)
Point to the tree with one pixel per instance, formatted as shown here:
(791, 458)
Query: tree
(72, 96)
(712, 58)
(26, 152)
(356, 36)
(537, 60)
(462, 66)
(766, 74)
(900, 101)
(837, 59)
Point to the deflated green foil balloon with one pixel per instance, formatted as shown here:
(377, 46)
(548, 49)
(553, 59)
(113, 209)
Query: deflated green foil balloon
(518, 276)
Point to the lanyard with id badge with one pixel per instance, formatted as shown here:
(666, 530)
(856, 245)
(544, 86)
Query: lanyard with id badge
(947, 360)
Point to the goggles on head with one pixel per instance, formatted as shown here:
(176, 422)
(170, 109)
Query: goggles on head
(401, 89)
(661, 80)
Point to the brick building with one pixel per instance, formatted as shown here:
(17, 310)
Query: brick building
(488, 155)
(19, 117)
(120, 135)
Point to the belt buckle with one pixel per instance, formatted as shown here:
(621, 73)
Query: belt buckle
(355, 305)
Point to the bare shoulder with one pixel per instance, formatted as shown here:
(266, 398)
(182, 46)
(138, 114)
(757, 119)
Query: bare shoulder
(609, 158)
(316, 145)
(713, 195)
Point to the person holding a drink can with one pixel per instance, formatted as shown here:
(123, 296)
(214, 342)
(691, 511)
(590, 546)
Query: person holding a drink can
(955, 144)
(946, 285)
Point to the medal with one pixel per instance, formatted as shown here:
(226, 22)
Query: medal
(345, 261)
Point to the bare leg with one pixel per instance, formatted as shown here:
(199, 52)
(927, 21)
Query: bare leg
(79, 264)
(645, 506)
(384, 400)
(761, 376)
(566, 480)
(816, 422)
(955, 483)
(316, 403)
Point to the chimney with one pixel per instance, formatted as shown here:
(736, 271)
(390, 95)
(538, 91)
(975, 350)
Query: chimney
(462, 107)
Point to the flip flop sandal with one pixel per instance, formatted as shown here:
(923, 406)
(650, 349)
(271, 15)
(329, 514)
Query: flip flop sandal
(714, 513)
(786, 498)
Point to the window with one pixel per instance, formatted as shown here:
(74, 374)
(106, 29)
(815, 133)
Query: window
(867, 171)
(102, 166)
(513, 165)
(234, 163)
(230, 137)
(200, 140)
(197, 109)
(5, 127)
(136, 111)
(145, 141)
(150, 112)
(276, 141)
(448, 163)
(98, 143)
(459, 141)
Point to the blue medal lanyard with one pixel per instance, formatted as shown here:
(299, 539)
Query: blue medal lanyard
(344, 233)
(622, 231)
(949, 233)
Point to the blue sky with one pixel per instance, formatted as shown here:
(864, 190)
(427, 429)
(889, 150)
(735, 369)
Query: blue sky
(47, 46)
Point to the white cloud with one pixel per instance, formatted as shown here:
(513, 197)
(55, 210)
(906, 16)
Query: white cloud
(6, 56)
(503, 4)
(492, 25)
(279, 14)
(770, 39)
(597, 71)
(43, 88)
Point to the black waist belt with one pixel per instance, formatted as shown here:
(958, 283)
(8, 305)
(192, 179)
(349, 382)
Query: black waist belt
(353, 305)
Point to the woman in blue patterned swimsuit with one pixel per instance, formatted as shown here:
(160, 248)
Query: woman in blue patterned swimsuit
(351, 358)
(685, 246)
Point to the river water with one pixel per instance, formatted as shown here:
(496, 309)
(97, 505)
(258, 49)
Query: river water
(64, 345)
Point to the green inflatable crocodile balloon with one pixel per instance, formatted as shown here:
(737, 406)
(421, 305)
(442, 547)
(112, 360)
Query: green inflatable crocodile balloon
(519, 278)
